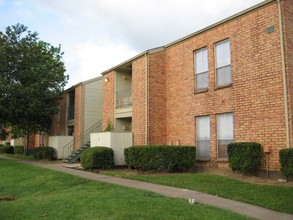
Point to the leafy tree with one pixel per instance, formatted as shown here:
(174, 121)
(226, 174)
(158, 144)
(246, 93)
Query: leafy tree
(3, 133)
(31, 80)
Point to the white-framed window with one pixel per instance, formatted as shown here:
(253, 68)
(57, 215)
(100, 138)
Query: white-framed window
(223, 63)
(203, 137)
(224, 133)
(201, 69)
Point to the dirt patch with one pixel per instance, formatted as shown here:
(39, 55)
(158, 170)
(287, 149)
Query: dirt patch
(259, 178)
(7, 198)
(226, 172)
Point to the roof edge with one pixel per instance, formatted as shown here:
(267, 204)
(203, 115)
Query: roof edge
(225, 20)
(83, 82)
(92, 80)
(158, 49)
(150, 51)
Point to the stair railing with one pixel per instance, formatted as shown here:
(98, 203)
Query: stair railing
(68, 148)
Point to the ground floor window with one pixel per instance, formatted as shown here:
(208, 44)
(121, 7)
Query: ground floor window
(203, 137)
(224, 133)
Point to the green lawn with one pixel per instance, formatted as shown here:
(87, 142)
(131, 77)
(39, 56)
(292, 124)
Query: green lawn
(41, 193)
(278, 198)
(20, 156)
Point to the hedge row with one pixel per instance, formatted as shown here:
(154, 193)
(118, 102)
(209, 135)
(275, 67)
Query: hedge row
(244, 157)
(19, 149)
(40, 153)
(97, 158)
(163, 158)
(286, 161)
(6, 149)
(44, 153)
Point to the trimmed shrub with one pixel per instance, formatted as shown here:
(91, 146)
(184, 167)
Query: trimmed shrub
(286, 161)
(6, 149)
(244, 157)
(126, 152)
(19, 149)
(44, 153)
(97, 158)
(31, 151)
(162, 158)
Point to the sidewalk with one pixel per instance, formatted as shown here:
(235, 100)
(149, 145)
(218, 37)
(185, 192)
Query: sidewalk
(235, 206)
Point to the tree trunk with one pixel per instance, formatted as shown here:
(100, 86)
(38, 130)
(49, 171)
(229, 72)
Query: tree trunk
(27, 142)
(27, 137)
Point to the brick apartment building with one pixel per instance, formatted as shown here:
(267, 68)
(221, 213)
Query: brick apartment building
(231, 81)
(79, 110)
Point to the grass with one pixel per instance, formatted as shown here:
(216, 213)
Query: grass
(42, 193)
(20, 156)
(279, 198)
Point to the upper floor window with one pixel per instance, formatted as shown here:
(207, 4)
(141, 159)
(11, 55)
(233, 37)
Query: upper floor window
(201, 69)
(223, 63)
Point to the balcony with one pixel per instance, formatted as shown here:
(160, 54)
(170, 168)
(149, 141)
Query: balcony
(123, 98)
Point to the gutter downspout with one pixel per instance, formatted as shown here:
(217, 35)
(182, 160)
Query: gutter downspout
(82, 118)
(284, 76)
(146, 139)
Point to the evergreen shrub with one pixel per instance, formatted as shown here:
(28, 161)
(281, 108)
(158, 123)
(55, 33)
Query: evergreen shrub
(244, 157)
(162, 158)
(97, 158)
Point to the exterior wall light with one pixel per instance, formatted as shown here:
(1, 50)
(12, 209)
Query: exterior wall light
(106, 80)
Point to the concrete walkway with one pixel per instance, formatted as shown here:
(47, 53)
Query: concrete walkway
(235, 206)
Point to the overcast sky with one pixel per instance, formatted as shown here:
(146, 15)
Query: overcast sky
(96, 35)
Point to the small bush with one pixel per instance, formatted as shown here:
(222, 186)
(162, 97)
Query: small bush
(126, 152)
(97, 158)
(31, 151)
(286, 161)
(6, 149)
(244, 157)
(109, 126)
(19, 149)
(44, 153)
(163, 158)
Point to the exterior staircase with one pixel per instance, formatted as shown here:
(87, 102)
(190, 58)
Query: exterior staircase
(85, 138)
(75, 155)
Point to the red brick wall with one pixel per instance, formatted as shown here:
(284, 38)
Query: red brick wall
(256, 96)
(287, 12)
(157, 99)
(138, 100)
(108, 99)
(31, 142)
(58, 126)
(37, 140)
(41, 140)
(59, 120)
